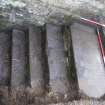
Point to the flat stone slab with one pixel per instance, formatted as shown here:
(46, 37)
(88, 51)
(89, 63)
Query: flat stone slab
(5, 60)
(88, 60)
(56, 59)
(36, 67)
(19, 58)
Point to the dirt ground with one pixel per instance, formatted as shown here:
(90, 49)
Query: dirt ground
(82, 102)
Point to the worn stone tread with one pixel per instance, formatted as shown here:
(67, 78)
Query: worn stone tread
(57, 62)
(88, 61)
(36, 67)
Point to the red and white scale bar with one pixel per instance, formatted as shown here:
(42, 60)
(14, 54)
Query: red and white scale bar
(99, 34)
(101, 46)
(93, 22)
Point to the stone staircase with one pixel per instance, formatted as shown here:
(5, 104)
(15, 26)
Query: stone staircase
(40, 65)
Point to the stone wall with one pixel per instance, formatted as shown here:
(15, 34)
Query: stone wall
(40, 11)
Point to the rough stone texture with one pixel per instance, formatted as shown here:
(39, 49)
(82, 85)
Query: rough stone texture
(4, 95)
(40, 11)
(18, 96)
(82, 102)
(57, 62)
(71, 70)
(5, 66)
(19, 63)
(36, 67)
(19, 79)
(5, 58)
(88, 61)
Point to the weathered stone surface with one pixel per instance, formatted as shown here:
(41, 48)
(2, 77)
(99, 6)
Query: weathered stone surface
(82, 102)
(40, 11)
(5, 58)
(4, 95)
(19, 58)
(57, 62)
(88, 60)
(5, 66)
(19, 71)
(36, 67)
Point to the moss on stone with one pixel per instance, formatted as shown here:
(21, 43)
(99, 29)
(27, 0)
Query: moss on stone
(68, 18)
(5, 24)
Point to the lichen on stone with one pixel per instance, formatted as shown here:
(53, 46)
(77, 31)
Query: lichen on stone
(40, 11)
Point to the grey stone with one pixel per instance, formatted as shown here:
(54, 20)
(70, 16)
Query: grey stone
(57, 62)
(40, 11)
(88, 61)
(36, 67)
(5, 58)
(19, 58)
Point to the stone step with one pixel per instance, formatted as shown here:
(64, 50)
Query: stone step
(19, 68)
(88, 61)
(36, 58)
(5, 66)
(19, 58)
(50, 64)
(58, 80)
